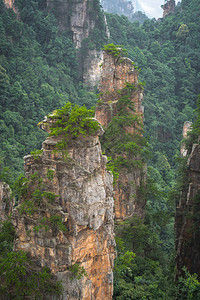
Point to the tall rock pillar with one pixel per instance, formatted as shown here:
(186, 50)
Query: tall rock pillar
(187, 220)
(168, 7)
(84, 18)
(70, 226)
(116, 73)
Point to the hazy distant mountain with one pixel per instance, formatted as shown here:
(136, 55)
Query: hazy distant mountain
(119, 7)
(137, 6)
(131, 9)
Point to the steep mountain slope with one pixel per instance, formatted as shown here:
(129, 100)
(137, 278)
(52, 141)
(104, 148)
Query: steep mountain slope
(167, 51)
(39, 72)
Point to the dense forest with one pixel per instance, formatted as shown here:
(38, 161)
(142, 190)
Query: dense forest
(39, 73)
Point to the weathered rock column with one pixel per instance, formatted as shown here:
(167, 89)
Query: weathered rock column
(116, 73)
(187, 221)
(168, 7)
(85, 205)
(81, 17)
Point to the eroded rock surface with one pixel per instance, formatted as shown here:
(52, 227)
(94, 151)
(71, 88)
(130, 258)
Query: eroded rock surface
(116, 72)
(6, 201)
(92, 69)
(81, 18)
(85, 205)
(187, 222)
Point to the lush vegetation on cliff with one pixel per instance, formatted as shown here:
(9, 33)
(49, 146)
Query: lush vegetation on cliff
(167, 51)
(39, 72)
(20, 276)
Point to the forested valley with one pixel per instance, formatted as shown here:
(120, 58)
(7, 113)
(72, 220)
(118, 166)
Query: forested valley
(39, 72)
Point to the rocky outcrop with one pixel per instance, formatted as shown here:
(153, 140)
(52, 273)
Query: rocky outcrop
(92, 69)
(74, 232)
(82, 18)
(6, 201)
(168, 7)
(186, 128)
(74, 16)
(116, 72)
(11, 4)
(187, 221)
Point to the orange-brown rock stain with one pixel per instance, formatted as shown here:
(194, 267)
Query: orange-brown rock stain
(93, 252)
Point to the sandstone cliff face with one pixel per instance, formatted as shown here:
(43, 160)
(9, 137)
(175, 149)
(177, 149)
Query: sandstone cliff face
(74, 16)
(6, 202)
(187, 222)
(92, 69)
(115, 74)
(168, 7)
(85, 206)
(81, 18)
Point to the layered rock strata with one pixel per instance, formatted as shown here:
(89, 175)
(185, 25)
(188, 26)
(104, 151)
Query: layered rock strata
(187, 221)
(85, 206)
(116, 72)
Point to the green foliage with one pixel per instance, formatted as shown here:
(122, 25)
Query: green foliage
(123, 140)
(21, 278)
(193, 135)
(77, 271)
(111, 166)
(38, 73)
(189, 286)
(56, 223)
(50, 174)
(36, 153)
(7, 234)
(169, 66)
(143, 275)
(20, 186)
(72, 121)
(116, 50)
(34, 198)
(5, 173)
(182, 32)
